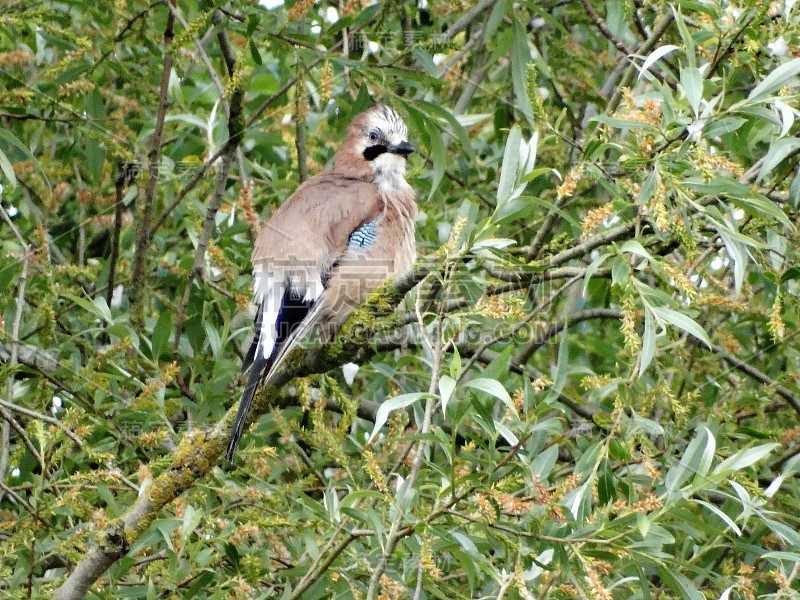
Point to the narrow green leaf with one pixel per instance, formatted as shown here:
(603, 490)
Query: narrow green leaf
(507, 434)
(793, 557)
(794, 191)
(738, 255)
(635, 247)
(446, 387)
(686, 37)
(680, 584)
(787, 533)
(438, 156)
(254, 53)
(390, 405)
(493, 388)
(654, 56)
(592, 268)
(621, 123)
(681, 321)
(758, 205)
(443, 114)
(744, 458)
(466, 543)
(8, 170)
(495, 18)
(97, 307)
(648, 341)
(161, 333)
(606, 491)
(723, 126)
(696, 455)
(620, 272)
(728, 521)
(562, 366)
(520, 57)
(778, 151)
(692, 82)
(213, 338)
(455, 364)
(508, 172)
(776, 80)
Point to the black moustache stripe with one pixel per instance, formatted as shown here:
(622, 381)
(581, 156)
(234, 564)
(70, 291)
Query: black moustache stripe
(373, 152)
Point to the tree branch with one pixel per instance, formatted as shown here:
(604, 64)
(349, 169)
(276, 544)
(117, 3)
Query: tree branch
(753, 372)
(146, 213)
(200, 451)
(235, 134)
(527, 351)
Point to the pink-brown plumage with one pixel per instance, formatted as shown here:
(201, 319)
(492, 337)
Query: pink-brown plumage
(340, 235)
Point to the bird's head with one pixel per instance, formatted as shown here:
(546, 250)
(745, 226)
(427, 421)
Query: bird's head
(377, 139)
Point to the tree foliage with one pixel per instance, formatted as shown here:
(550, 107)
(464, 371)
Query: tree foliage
(589, 389)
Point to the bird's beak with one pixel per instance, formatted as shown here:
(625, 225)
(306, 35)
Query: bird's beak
(403, 149)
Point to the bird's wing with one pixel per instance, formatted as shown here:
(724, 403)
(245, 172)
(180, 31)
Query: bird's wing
(343, 300)
(294, 256)
(379, 248)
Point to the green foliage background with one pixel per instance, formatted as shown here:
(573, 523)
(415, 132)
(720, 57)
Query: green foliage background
(599, 370)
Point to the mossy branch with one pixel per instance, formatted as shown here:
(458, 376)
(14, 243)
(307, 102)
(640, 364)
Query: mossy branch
(199, 451)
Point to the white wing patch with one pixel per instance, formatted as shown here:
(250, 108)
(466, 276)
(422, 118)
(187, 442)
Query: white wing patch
(269, 288)
(268, 292)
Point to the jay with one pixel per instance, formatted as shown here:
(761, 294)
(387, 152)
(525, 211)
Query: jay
(338, 237)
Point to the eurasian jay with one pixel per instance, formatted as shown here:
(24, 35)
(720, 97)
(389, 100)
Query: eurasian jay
(338, 237)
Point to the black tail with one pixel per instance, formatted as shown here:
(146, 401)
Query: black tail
(258, 370)
(292, 312)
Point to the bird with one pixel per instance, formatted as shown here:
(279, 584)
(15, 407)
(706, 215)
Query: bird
(335, 239)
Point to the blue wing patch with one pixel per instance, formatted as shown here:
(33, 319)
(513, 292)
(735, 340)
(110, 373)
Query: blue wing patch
(364, 236)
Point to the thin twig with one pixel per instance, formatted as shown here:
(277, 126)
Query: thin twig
(9, 420)
(201, 51)
(523, 323)
(146, 213)
(527, 351)
(466, 19)
(230, 147)
(601, 25)
(301, 110)
(437, 350)
(17, 498)
(42, 417)
(753, 372)
(316, 571)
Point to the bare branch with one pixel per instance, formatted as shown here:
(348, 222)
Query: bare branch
(751, 371)
(593, 313)
(230, 147)
(9, 420)
(146, 212)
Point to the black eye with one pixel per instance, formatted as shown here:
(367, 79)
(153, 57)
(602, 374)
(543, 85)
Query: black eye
(373, 136)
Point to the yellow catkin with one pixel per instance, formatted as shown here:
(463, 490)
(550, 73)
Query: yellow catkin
(595, 217)
(454, 242)
(326, 83)
(374, 471)
(299, 9)
(628, 327)
(16, 59)
(426, 560)
(595, 583)
(776, 326)
(351, 6)
(501, 307)
(567, 188)
(391, 589)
